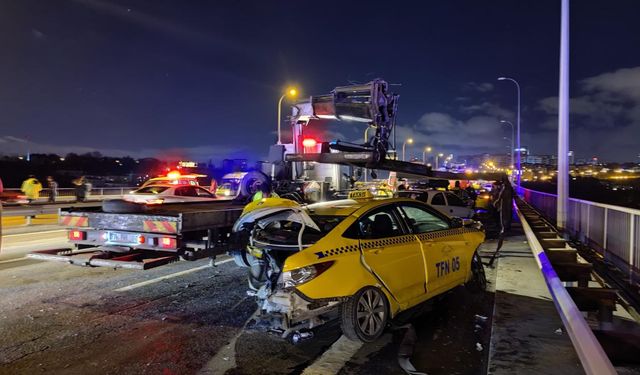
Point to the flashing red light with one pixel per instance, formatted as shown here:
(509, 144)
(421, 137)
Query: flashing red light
(309, 142)
(77, 235)
(168, 242)
(141, 239)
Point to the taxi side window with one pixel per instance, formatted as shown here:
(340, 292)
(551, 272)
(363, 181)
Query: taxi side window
(454, 200)
(438, 200)
(422, 221)
(186, 191)
(200, 192)
(381, 223)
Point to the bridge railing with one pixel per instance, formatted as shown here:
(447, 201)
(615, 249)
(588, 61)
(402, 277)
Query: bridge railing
(613, 231)
(67, 193)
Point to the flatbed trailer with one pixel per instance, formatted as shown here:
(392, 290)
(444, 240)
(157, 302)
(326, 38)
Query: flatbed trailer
(150, 237)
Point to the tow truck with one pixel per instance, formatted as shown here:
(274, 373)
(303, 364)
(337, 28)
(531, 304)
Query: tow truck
(146, 236)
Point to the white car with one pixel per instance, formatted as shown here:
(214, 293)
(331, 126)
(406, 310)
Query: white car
(444, 201)
(158, 194)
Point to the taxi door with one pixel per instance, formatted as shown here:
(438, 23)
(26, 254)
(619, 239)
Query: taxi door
(392, 254)
(442, 256)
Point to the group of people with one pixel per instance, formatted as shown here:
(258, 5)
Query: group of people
(31, 187)
(501, 200)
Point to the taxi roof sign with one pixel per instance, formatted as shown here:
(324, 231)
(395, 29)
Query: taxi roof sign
(360, 194)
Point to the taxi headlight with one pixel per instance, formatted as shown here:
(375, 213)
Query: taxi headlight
(301, 275)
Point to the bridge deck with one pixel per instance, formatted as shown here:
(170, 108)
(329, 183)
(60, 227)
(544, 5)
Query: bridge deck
(527, 334)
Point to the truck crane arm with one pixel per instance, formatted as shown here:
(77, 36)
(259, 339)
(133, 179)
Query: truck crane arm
(370, 103)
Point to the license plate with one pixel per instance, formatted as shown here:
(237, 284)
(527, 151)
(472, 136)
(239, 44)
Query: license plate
(123, 238)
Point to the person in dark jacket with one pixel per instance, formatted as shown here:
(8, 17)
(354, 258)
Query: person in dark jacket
(503, 204)
(53, 189)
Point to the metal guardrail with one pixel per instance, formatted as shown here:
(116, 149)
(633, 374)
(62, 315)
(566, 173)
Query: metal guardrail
(613, 231)
(593, 358)
(71, 192)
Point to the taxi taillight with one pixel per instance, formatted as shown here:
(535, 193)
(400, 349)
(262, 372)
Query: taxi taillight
(77, 235)
(168, 242)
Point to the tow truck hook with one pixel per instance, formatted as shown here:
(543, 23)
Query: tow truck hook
(298, 336)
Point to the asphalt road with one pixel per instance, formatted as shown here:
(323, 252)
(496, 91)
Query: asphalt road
(64, 319)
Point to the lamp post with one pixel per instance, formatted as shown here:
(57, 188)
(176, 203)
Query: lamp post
(291, 92)
(518, 126)
(404, 144)
(424, 154)
(512, 136)
(438, 156)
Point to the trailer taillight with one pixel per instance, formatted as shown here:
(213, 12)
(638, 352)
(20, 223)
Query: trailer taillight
(77, 235)
(168, 242)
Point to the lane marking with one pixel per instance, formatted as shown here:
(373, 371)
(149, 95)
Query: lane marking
(335, 358)
(35, 233)
(170, 276)
(13, 260)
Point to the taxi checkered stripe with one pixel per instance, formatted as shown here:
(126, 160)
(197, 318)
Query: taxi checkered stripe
(368, 244)
(443, 233)
(336, 251)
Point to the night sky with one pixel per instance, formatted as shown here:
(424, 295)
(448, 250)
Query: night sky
(201, 79)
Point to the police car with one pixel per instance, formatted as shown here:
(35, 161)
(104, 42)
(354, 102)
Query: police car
(362, 259)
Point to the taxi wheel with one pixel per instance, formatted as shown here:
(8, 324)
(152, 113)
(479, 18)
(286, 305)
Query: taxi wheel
(365, 315)
(478, 280)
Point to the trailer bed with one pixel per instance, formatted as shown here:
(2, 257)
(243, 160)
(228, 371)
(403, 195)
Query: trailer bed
(167, 218)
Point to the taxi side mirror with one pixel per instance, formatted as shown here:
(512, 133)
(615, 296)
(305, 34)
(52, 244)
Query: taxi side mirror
(456, 222)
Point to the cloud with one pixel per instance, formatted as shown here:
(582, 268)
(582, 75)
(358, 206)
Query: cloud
(605, 114)
(490, 109)
(448, 134)
(480, 87)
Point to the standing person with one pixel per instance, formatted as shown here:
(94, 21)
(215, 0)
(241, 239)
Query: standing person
(31, 187)
(87, 188)
(214, 186)
(263, 191)
(53, 189)
(504, 204)
(79, 189)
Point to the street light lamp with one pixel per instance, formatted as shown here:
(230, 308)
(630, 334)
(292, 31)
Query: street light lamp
(512, 138)
(292, 93)
(438, 156)
(404, 144)
(518, 126)
(424, 154)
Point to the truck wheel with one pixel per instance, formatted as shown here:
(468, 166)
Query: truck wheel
(478, 282)
(120, 206)
(250, 182)
(365, 314)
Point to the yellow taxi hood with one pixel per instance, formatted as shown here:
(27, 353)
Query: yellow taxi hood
(285, 209)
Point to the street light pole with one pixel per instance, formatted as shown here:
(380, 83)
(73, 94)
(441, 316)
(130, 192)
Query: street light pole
(292, 93)
(437, 156)
(512, 137)
(563, 120)
(404, 144)
(518, 134)
(424, 154)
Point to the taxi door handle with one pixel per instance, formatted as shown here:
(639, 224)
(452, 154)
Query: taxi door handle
(375, 250)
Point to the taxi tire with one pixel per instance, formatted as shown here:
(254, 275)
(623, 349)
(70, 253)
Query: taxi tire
(478, 282)
(351, 327)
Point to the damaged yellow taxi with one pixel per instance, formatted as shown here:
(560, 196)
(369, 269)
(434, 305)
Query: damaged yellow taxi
(363, 260)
